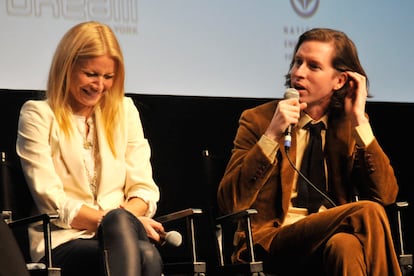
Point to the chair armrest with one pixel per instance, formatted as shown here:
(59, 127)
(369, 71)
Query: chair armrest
(195, 266)
(45, 219)
(243, 216)
(190, 212)
(234, 217)
(401, 204)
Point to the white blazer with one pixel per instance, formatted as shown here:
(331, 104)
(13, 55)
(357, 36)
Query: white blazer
(54, 169)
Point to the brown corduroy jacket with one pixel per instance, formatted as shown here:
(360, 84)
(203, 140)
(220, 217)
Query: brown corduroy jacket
(251, 181)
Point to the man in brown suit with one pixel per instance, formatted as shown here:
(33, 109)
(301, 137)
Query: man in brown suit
(339, 238)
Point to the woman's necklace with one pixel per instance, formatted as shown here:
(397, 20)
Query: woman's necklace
(87, 144)
(88, 134)
(92, 177)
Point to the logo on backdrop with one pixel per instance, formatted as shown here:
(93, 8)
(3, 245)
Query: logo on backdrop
(305, 8)
(121, 15)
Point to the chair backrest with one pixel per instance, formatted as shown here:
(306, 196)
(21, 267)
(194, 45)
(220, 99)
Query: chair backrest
(214, 165)
(15, 199)
(212, 169)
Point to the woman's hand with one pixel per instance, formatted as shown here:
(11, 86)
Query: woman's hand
(152, 227)
(87, 219)
(136, 206)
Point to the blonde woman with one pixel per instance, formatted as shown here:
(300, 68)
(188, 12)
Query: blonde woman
(85, 157)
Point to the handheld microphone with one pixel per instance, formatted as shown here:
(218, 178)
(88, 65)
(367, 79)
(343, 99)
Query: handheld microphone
(172, 238)
(290, 93)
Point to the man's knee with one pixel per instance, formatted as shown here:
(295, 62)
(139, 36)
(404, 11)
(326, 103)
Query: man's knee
(372, 210)
(371, 205)
(342, 244)
(343, 254)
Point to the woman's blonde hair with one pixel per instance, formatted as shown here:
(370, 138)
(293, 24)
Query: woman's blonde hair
(86, 40)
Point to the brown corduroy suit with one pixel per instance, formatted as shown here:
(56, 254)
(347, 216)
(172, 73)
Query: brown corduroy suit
(251, 181)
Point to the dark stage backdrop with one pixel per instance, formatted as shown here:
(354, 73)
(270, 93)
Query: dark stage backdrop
(180, 128)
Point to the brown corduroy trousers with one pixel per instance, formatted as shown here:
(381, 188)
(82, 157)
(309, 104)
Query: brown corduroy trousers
(351, 239)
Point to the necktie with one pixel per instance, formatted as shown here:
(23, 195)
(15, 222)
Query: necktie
(313, 168)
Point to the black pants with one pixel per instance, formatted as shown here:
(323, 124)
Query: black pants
(121, 247)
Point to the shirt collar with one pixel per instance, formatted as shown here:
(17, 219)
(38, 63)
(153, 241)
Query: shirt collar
(305, 119)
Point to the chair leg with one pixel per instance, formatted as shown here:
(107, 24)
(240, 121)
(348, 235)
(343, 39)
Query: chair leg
(405, 260)
(406, 264)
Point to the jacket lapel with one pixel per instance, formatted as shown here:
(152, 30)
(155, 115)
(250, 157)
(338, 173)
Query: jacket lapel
(72, 156)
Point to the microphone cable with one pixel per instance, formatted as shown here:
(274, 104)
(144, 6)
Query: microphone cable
(307, 180)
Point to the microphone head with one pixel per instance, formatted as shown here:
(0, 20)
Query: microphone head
(173, 238)
(291, 93)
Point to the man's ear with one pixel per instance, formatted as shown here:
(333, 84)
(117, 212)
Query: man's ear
(341, 80)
